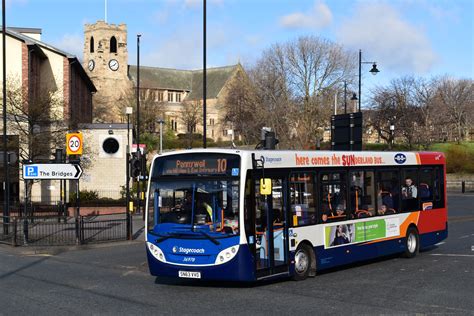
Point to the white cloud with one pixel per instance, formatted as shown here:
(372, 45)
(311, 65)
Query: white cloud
(71, 43)
(396, 44)
(317, 17)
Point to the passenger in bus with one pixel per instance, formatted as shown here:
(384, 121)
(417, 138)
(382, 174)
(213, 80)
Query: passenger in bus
(385, 197)
(409, 190)
(385, 210)
(340, 210)
(409, 195)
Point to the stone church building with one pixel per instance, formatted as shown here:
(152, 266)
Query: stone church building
(171, 91)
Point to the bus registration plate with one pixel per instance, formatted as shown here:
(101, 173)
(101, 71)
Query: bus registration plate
(189, 274)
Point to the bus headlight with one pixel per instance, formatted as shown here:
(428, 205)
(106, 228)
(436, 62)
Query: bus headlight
(156, 252)
(227, 254)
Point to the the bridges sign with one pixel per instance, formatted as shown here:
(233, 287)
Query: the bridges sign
(52, 171)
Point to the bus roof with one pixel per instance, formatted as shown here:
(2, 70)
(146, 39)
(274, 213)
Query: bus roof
(324, 158)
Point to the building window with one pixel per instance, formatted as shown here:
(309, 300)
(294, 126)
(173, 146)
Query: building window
(113, 44)
(178, 97)
(211, 122)
(92, 44)
(159, 96)
(224, 132)
(170, 96)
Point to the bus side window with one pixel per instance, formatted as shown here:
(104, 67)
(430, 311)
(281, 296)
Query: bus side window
(333, 205)
(303, 210)
(362, 194)
(410, 190)
(438, 187)
(425, 188)
(388, 192)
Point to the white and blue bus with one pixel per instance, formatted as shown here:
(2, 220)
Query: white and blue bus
(226, 214)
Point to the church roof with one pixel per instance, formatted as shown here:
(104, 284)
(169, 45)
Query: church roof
(183, 80)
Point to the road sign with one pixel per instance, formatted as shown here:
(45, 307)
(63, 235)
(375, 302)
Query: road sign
(52, 171)
(74, 144)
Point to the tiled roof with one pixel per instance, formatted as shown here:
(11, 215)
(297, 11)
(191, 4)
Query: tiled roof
(183, 80)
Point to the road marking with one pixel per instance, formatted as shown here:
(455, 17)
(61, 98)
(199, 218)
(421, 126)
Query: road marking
(462, 237)
(450, 255)
(440, 243)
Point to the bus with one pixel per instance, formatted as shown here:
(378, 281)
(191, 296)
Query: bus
(248, 215)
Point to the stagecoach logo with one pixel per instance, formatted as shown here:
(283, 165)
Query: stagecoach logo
(400, 158)
(273, 159)
(187, 251)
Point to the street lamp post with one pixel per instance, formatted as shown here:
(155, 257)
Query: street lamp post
(373, 71)
(161, 122)
(204, 79)
(392, 132)
(137, 140)
(128, 112)
(6, 183)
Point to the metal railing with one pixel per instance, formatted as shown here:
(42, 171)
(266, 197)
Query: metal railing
(462, 186)
(63, 230)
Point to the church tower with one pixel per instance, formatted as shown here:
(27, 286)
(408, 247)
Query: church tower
(106, 63)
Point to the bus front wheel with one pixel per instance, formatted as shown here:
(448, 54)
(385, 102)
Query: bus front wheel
(302, 262)
(412, 243)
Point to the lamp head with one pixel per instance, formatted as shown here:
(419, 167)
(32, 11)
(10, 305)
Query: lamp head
(354, 97)
(374, 69)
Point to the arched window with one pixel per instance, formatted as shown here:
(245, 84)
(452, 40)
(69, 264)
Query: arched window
(113, 45)
(92, 44)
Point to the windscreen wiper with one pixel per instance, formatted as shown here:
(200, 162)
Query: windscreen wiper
(214, 240)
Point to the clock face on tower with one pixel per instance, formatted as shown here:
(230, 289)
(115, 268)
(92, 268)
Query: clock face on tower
(91, 65)
(113, 65)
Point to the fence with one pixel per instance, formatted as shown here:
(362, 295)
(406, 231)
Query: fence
(63, 230)
(460, 186)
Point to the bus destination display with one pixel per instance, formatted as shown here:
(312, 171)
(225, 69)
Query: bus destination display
(199, 165)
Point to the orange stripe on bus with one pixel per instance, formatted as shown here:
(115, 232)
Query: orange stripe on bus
(418, 160)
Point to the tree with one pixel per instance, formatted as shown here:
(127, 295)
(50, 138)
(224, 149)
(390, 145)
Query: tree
(190, 115)
(292, 86)
(455, 99)
(38, 120)
(240, 109)
(150, 112)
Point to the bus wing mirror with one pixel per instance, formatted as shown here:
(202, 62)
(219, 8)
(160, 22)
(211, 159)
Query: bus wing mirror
(265, 186)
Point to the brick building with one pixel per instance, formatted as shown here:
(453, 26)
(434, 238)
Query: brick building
(36, 69)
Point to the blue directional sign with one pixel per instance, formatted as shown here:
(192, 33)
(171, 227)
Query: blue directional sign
(52, 171)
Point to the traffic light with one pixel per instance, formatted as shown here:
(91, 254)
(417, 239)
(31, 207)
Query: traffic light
(135, 165)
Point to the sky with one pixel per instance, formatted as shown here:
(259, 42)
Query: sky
(405, 37)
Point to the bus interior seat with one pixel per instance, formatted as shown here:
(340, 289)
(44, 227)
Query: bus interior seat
(424, 190)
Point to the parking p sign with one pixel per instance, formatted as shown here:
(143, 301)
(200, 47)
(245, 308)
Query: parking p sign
(74, 144)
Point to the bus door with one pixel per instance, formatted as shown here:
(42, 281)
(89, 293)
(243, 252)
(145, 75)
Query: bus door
(271, 230)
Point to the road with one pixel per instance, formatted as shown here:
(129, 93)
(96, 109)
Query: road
(113, 279)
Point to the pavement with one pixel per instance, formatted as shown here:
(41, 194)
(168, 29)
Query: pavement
(114, 279)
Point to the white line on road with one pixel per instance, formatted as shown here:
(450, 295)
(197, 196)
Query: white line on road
(462, 237)
(450, 255)
(440, 243)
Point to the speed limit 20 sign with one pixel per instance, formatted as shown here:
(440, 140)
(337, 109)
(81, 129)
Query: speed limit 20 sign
(74, 144)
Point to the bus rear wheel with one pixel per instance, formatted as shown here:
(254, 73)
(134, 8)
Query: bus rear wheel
(302, 262)
(412, 243)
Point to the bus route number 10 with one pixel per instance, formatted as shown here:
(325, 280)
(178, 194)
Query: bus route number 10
(221, 165)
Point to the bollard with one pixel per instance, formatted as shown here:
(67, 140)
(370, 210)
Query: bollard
(463, 186)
